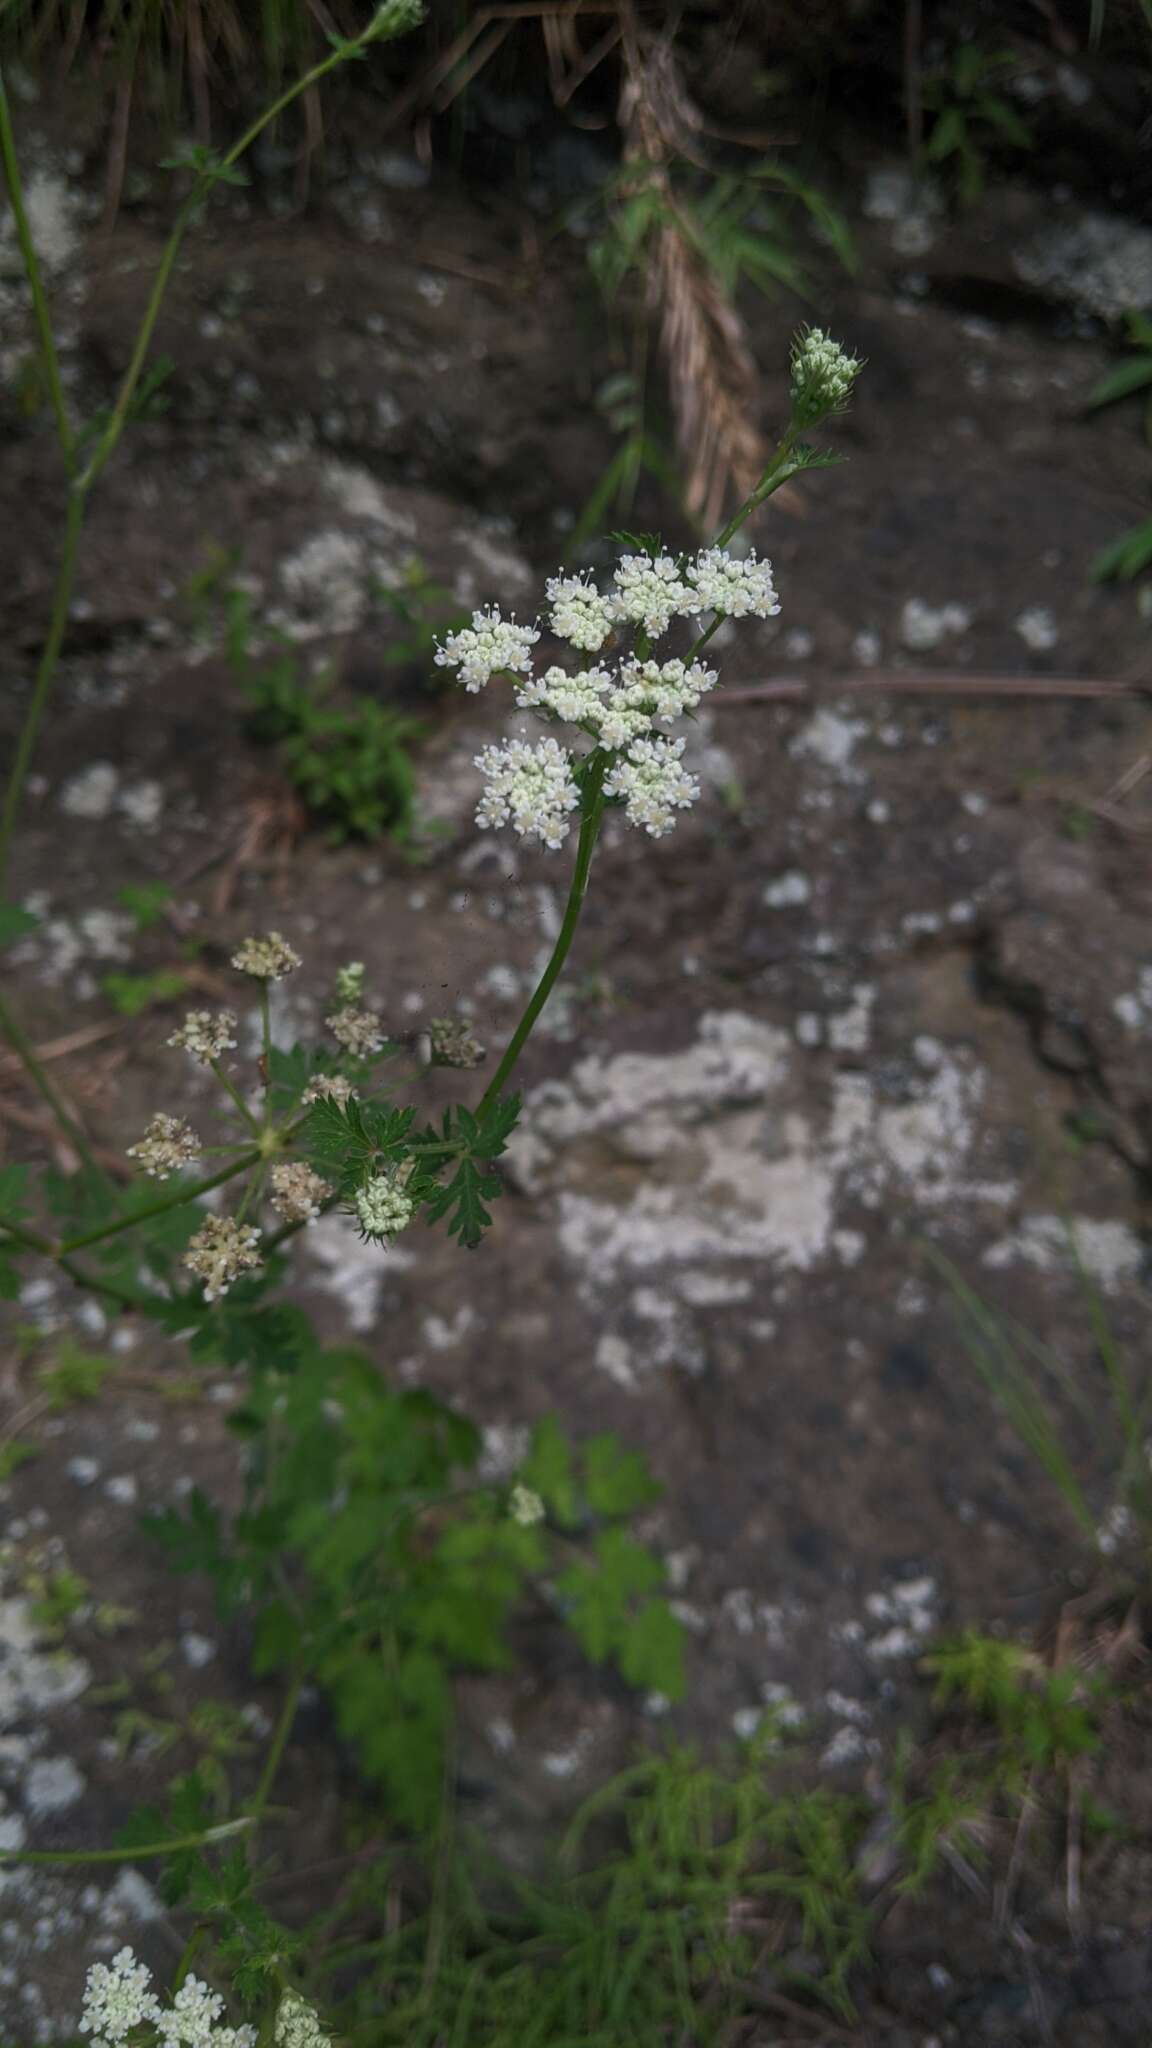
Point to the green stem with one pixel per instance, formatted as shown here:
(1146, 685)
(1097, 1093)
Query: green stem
(31, 1238)
(49, 358)
(93, 1283)
(178, 1200)
(276, 1749)
(589, 832)
(45, 675)
(45, 1087)
(266, 1054)
(63, 1857)
(778, 472)
(251, 1121)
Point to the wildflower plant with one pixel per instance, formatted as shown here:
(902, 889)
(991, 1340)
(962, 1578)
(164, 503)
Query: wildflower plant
(370, 1557)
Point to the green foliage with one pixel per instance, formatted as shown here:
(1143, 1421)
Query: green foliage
(361, 1558)
(15, 923)
(350, 764)
(1023, 1375)
(971, 115)
(133, 994)
(145, 901)
(678, 1889)
(75, 1375)
(1044, 1718)
(1127, 557)
(419, 611)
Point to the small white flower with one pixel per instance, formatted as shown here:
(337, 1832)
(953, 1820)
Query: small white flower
(168, 1144)
(360, 1032)
(191, 2020)
(576, 698)
(650, 592)
(489, 645)
(579, 614)
(526, 1507)
(329, 1088)
(297, 2025)
(266, 959)
(116, 1999)
(665, 690)
(530, 785)
(383, 1208)
(822, 376)
(732, 585)
(206, 1034)
(221, 1250)
(297, 1192)
(653, 784)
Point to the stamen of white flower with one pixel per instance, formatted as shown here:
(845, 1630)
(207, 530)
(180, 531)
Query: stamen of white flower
(653, 784)
(168, 1144)
(489, 645)
(530, 785)
(221, 1250)
(650, 592)
(579, 613)
(733, 585)
(206, 1034)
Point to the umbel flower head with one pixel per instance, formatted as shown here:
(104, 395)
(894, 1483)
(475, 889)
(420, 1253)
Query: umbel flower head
(221, 1250)
(298, 2025)
(451, 1043)
(383, 1208)
(206, 1034)
(266, 959)
(526, 1507)
(360, 1032)
(118, 2000)
(168, 1144)
(822, 376)
(350, 981)
(328, 1088)
(620, 706)
(298, 1194)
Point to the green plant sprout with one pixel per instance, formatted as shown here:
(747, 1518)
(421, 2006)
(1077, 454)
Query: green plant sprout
(1127, 557)
(971, 115)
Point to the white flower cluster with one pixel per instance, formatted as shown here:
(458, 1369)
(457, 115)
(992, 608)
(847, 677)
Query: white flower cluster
(206, 1034)
(360, 1032)
(266, 959)
(118, 1999)
(168, 1144)
(298, 1194)
(526, 1507)
(490, 646)
(220, 1251)
(533, 786)
(383, 1208)
(298, 2025)
(328, 1088)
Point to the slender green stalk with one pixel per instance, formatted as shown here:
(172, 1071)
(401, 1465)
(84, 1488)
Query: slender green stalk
(266, 1054)
(31, 1238)
(252, 1122)
(276, 1749)
(49, 358)
(46, 1088)
(182, 1196)
(589, 833)
(45, 675)
(149, 1850)
(94, 1283)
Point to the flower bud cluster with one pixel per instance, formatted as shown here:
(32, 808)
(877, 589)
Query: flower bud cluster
(822, 376)
(298, 1194)
(168, 1144)
(220, 1252)
(268, 959)
(207, 1035)
(383, 1208)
